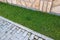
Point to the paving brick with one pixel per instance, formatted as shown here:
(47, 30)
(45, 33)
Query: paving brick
(12, 31)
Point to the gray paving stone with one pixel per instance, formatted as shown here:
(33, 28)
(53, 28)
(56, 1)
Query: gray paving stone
(12, 31)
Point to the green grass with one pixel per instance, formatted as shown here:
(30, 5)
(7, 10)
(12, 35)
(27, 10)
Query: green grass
(43, 23)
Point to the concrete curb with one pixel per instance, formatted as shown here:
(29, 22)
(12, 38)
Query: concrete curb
(57, 14)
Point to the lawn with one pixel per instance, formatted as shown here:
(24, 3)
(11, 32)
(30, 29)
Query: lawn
(43, 23)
